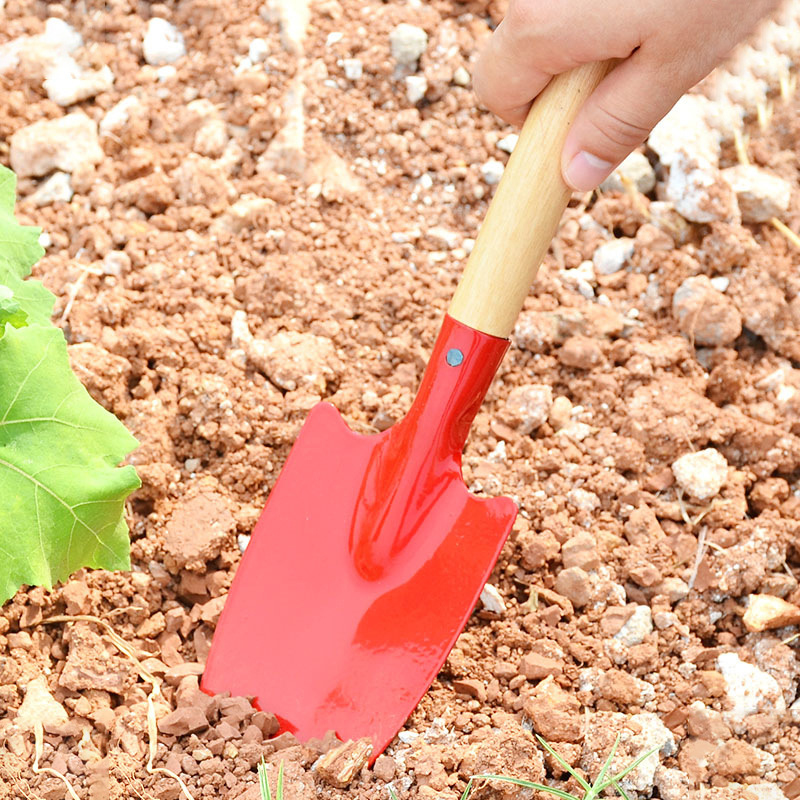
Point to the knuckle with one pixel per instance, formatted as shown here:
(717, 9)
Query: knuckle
(620, 131)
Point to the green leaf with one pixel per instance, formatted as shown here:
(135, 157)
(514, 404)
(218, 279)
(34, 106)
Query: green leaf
(62, 498)
(528, 785)
(10, 313)
(19, 251)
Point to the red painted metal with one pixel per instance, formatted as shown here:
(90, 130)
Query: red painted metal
(366, 562)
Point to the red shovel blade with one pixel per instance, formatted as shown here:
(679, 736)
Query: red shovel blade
(366, 562)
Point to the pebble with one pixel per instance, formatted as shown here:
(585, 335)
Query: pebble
(442, 237)
(580, 352)
(69, 83)
(528, 407)
(353, 68)
(560, 412)
(683, 130)
(197, 530)
(492, 600)
(408, 43)
(635, 168)
(765, 612)
(580, 551)
(582, 499)
(385, 768)
(536, 667)
(257, 51)
(508, 143)
(40, 706)
(554, 713)
(461, 76)
(56, 189)
(637, 628)
(183, 720)
(611, 257)
(699, 193)
(492, 171)
(748, 691)
(339, 766)
(118, 115)
(575, 585)
(67, 143)
(704, 314)
(163, 42)
(761, 195)
(701, 474)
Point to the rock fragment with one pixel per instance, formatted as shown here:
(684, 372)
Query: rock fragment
(416, 87)
(612, 256)
(705, 314)
(535, 666)
(555, 714)
(492, 170)
(683, 130)
(580, 352)
(637, 170)
(197, 531)
(699, 193)
(73, 83)
(765, 612)
(339, 766)
(183, 720)
(408, 43)
(701, 474)
(40, 706)
(528, 407)
(492, 600)
(581, 551)
(748, 691)
(637, 628)
(67, 143)
(56, 189)
(761, 195)
(575, 585)
(163, 42)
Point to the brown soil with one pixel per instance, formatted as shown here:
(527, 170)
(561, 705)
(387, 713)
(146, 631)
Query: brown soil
(331, 253)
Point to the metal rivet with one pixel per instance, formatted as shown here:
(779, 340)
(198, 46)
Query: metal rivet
(454, 357)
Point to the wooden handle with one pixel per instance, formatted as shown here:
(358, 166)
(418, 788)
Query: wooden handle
(526, 209)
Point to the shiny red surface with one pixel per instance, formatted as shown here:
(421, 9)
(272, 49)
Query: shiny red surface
(366, 562)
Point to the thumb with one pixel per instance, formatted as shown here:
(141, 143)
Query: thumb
(616, 118)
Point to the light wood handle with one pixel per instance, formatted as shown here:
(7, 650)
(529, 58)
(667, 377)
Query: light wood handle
(526, 209)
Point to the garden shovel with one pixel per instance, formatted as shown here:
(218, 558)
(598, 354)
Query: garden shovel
(371, 553)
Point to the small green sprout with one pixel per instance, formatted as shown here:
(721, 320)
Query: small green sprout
(263, 782)
(590, 791)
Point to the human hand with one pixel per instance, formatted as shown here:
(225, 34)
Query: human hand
(664, 47)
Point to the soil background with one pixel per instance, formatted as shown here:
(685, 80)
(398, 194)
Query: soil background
(250, 220)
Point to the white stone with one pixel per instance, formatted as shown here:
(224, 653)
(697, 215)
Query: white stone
(635, 168)
(672, 784)
(40, 706)
(765, 791)
(353, 68)
(721, 283)
(637, 628)
(748, 690)
(257, 51)
(685, 130)
(66, 143)
(56, 189)
(442, 237)
(701, 474)
(408, 43)
(163, 42)
(62, 34)
(416, 86)
(68, 84)
(492, 600)
(211, 138)
(698, 192)
(118, 115)
(611, 257)
(583, 499)
(761, 195)
(508, 143)
(166, 73)
(492, 171)
(242, 540)
(461, 77)
(528, 406)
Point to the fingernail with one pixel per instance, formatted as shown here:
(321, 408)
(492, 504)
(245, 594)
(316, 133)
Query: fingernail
(586, 171)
